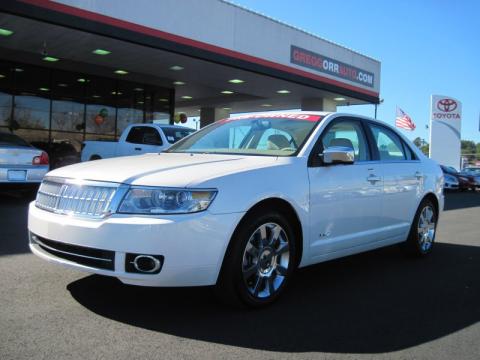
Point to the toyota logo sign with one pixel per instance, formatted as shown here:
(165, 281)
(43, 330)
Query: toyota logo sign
(446, 105)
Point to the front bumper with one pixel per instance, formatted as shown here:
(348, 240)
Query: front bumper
(193, 245)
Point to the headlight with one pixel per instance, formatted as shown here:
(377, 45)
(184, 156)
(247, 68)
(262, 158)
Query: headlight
(145, 200)
(451, 179)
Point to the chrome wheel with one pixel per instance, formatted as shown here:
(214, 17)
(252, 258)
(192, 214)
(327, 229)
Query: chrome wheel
(265, 260)
(426, 228)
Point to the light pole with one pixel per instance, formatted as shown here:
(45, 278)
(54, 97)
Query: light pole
(380, 102)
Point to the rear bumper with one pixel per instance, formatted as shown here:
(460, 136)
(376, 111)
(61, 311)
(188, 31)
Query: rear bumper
(34, 174)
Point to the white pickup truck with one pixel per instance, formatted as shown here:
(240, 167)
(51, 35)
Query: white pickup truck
(136, 139)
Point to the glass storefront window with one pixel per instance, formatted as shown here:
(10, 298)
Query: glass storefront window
(157, 108)
(67, 115)
(31, 112)
(57, 109)
(33, 136)
(32, 99)
(100, 109)
(5, 108)
(131, 104)
(5, 95)
(67, 105)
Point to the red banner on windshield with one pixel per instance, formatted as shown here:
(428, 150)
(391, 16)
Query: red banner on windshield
(292, 116)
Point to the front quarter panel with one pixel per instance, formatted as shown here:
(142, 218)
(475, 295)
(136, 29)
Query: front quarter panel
(240, 191)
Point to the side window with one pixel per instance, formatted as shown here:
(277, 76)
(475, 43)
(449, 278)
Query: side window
(389, 145)
(144, 135)
(347, 133)
(408, 152)
(274, 139)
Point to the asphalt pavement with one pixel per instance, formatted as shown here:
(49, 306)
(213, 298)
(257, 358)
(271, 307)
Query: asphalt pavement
(379, 304)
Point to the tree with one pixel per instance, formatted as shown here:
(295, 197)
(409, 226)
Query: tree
(422, 145)
(425, 149)
(468, 147)
(418, 142)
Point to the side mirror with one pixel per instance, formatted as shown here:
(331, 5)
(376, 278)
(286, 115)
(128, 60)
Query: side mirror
(338, 155)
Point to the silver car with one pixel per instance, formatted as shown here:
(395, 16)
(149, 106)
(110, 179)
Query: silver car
(20, 162)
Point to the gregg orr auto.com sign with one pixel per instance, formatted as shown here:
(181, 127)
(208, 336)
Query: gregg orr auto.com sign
(311, 60)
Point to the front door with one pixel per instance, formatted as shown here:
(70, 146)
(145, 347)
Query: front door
(345, 200)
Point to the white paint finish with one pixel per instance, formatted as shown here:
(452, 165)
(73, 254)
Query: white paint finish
(192, 245)
(445, 131)
(228, 26)
(403, 189)
(340, 211)
(345, 208)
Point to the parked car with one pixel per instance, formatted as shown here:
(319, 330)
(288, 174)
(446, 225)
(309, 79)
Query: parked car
(136, 139)
(460, 182)
(60, 152)
(241, 204)
(21, 165)
(473, 172)
(450, 182)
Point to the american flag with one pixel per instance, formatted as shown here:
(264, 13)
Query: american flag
(403, 120)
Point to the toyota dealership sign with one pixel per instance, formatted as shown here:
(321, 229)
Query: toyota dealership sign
(445, 129)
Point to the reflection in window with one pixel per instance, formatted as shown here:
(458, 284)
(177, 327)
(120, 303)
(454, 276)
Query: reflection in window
(101, 101)
(388, 143)
(33, 136)
(31, 112)
(67, 115)
(100, 119)
(346, 133)
(157, 109)
(5, 108)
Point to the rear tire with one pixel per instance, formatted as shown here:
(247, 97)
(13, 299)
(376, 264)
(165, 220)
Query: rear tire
(259, 262)
(421, 238)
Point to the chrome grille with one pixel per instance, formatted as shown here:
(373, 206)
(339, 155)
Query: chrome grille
(71, 198)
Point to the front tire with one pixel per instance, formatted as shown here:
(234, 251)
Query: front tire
(260, 261)
(424, 227)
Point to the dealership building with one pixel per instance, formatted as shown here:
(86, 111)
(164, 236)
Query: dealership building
(74, 70)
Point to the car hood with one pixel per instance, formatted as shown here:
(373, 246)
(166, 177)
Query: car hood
(164, 169)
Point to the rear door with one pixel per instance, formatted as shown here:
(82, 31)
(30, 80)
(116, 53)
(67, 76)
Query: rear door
(403, 179)
(345, 200)
(141, 140)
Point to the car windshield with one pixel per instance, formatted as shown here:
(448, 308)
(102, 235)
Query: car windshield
(174, 134)
(271, 135)
(12, 140)
(472, 171)
(449, 169)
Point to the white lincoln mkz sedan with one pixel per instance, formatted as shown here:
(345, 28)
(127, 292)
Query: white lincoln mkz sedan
(241, 204)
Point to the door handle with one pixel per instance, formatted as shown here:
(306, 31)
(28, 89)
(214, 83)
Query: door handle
(138, 149)
(418, 175)
(373, 178)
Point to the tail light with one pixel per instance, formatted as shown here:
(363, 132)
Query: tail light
(41, 160)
